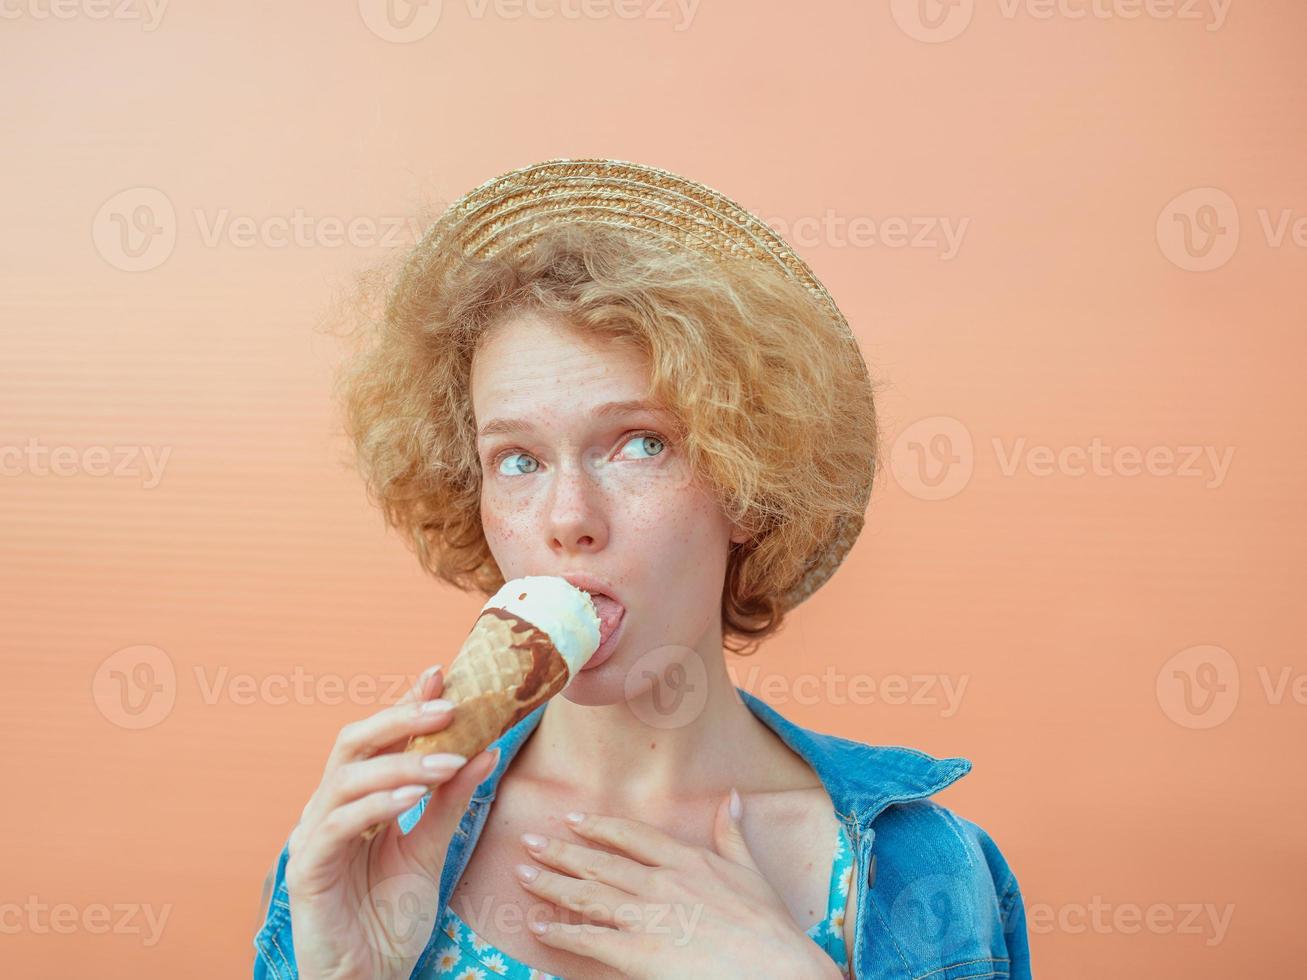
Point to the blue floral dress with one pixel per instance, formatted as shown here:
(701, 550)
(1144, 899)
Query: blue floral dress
(461, 954)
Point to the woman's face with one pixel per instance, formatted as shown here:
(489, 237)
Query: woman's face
(575, 487)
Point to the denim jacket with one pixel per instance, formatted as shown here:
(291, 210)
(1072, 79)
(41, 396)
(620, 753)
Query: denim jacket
(935, 897)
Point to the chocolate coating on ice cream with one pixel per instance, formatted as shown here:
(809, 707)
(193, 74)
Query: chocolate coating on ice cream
(559, 608)
(543, 680)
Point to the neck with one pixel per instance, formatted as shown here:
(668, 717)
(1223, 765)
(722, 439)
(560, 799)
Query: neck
(684, 738)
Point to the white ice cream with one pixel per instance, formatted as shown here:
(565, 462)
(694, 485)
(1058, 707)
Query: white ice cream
(559, 608)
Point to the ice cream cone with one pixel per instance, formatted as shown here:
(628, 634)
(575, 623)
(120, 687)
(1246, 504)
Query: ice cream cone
(506, 669)
(529, 640)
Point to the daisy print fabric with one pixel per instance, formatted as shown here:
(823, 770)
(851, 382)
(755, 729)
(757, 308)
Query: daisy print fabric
(829, 932)
(461, 954)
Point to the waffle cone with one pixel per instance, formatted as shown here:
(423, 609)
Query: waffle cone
(505, 670)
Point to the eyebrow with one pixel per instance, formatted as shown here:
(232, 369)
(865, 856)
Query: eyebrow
(496, 427)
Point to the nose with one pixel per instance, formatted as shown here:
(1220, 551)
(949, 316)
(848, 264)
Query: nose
(576, 521)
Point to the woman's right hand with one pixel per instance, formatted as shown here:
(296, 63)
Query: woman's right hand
(364, 909)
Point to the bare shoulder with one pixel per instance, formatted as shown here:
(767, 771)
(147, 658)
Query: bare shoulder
(792, 835)
(799, 816)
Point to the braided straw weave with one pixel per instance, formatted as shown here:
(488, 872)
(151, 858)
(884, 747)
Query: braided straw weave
(503, 216)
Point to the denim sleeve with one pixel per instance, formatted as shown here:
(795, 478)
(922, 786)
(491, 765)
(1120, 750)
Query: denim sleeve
(1014, 928)
(944, 904)
(1012, 909)
(274, 953)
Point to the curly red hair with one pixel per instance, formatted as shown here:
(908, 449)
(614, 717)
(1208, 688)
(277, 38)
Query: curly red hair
(776, 413)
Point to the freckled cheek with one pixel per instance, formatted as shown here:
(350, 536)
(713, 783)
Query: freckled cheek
(502, 524)
(673, 522)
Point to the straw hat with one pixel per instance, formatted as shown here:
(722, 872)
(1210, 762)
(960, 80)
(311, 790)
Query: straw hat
(503, 215)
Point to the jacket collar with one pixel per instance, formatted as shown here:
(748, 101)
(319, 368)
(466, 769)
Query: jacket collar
(862, 780)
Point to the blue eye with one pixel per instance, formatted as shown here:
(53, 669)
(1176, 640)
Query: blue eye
(519, 467)
(645, 439)
(650, 442)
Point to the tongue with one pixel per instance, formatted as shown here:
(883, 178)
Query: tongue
(610, 612)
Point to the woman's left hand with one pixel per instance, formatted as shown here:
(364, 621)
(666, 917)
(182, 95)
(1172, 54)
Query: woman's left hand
(670, 909)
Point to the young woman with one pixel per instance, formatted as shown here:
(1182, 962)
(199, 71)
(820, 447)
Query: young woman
(605, 372)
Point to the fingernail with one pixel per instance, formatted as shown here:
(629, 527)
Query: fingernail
(409, 792)
(736, 805)
(441, 761)
(527, 873)
(533, 841)
(438, 706)
(538, 927)
(574, 818)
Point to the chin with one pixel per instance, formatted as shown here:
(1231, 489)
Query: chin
(597, 688)
(604, 684)
(612, 682)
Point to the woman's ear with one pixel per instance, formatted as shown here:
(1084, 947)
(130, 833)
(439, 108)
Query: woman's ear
(738, 536)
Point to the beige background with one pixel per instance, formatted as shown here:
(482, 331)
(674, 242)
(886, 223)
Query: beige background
(149, 308)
